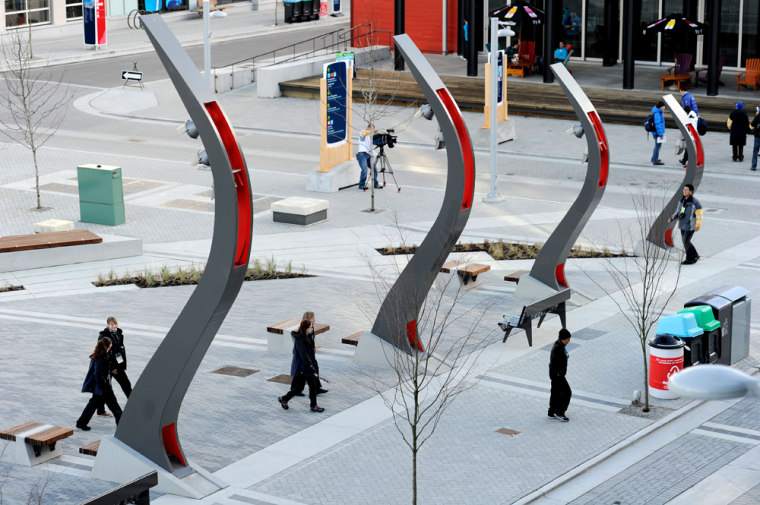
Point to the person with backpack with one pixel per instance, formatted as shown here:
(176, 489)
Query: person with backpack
(693, 120)
(688, 99)
(755, 127)
(657, 129)
(738, 123)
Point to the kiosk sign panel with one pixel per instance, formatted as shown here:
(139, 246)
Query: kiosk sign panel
(336, 6)
(94, 22)
(100, 20)
(499, 77)
(335, 75)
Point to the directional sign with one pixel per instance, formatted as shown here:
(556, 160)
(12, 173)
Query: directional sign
(130, 75)
(335, 74)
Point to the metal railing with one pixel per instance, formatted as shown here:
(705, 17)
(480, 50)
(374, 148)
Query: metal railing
(136, 492)
(321, 44)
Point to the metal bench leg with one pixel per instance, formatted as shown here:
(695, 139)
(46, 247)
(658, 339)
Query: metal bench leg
(506, 334)
(561, 313)
(528, 327)
(541, 320)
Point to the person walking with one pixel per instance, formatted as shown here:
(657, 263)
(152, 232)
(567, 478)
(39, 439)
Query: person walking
(738, 123)
(755, 127)
(313, 350)
(560, 392)
(658, 111)
(688, 99)
(306, 370)
(689, 216)
(365, 156)
(693, 118)
(117, 358)
(98, 382)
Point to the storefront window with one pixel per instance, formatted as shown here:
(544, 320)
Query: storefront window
(73, 9)
(572, 25)
(645, 46)
(750, 31)
(728, 39)
(22, 12)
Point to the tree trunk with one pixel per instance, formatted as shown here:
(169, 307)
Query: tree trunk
(414, 474)
(36, 178)
(646, 383)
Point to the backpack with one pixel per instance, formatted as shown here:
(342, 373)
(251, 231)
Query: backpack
(649, 126)
(701, 126)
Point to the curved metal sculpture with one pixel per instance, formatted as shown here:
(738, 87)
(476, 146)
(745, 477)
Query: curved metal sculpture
(549, 268)
(396, 321)
(149, 423)
(661, 232)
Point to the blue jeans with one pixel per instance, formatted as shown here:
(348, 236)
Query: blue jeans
(656, 152)
(755, 150)
(364, 163)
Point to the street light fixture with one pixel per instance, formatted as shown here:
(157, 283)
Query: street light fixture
(713, 382)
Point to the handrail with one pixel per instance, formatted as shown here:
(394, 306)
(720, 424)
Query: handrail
(342, 37)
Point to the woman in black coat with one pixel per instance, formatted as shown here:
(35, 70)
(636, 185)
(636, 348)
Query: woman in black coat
(98, 382)
(305, 368)
(738, 123)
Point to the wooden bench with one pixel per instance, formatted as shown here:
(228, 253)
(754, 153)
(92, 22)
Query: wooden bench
(33, 443)
(279, 344)
(467, 273)
(90, 449)
(352, 339)
(212, 6)
(677, 78)
(515, 276)
(554, 304)
(13, 243)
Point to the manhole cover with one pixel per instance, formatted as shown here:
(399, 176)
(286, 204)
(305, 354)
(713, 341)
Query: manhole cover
(235, 370)
(282, 379)
(508, 431)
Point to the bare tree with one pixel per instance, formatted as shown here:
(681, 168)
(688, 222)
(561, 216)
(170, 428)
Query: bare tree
(645, 282)
(440, 363)
(35, 104)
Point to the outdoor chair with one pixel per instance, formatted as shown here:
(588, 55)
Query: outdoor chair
(698, 79)
(751, 74)
(525, 59)
(566, 60)
(680, 72)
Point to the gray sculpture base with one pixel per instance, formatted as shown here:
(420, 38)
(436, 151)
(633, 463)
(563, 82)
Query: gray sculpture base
(375, 351)
(673, 253)
(531, 289)
(341, 176)
(505, 131)
(116, 460)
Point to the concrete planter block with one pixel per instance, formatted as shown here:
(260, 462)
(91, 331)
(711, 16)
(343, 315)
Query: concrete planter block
(299, 210)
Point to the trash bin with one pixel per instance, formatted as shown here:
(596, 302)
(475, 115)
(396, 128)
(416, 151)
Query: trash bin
(731, 306)
(738, 330)
(685, 327)
(306, 10)
(315, 6)
(291, 16)
(665, 359)
(699, 346)
(322, 12)
(101, 196)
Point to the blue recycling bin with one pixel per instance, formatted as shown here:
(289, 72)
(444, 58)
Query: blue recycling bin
(685, 327)
(153, 5)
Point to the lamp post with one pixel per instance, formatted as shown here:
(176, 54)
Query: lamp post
(206, 45)
(713, 382)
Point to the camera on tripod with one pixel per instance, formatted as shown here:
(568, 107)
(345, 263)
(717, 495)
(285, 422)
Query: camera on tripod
(385, 139)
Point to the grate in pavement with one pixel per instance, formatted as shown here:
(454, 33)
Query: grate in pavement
(235, 371)
(282, 379)
(60, 188)
(132, 186)
(182, 203)
(508, 431)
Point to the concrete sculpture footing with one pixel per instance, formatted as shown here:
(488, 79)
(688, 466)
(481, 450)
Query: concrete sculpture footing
(340, 176)
(505, 132)
(117, 459)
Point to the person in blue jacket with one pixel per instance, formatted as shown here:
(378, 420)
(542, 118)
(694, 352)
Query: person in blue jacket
(98, 382)
(688, 99)
(659, 134)
(306, 368)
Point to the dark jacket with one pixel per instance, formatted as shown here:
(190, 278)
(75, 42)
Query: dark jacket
(312, 346)
(739, 127)
(98, 378)
(756, 125)
(686, 213)
(303, 354)
(117, 348)
(558, 361)
(659, 122)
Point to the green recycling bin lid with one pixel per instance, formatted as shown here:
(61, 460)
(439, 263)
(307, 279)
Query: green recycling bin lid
(704, 316)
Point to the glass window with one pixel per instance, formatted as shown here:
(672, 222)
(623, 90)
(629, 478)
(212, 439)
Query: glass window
(750, 31)
(572, 25)
(15, 5)
(73, 9)
(38, 4)
(728, 40)
(595, 38)
(645, 45)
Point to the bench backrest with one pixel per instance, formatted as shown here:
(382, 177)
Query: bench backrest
(683, 63)
(527, 51)
(752, 69)
(547, 303)
(569, 53)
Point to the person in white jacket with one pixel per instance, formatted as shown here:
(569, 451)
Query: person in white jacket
(366, 156)
(693, 118)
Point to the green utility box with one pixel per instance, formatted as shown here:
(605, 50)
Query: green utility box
(101, 196)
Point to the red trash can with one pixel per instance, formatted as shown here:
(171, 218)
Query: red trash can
(665, 359)
(322, 9)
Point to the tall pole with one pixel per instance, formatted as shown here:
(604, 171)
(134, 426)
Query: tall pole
(206, 45)
(398, 29)
(493, 195)
(712, 53)
(549, 42)
(628, 63)
(472, 51)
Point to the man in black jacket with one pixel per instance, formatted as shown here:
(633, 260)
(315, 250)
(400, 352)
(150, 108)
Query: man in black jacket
(117, 357)
(561, 392)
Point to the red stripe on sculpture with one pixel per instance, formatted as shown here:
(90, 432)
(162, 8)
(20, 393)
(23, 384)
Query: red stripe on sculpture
(411, 334)
(464, 142)
(603, 150)
(245, 219)
(171, 444)
(697, 145)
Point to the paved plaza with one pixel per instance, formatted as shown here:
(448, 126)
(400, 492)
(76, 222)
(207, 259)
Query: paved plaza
(682, 452)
